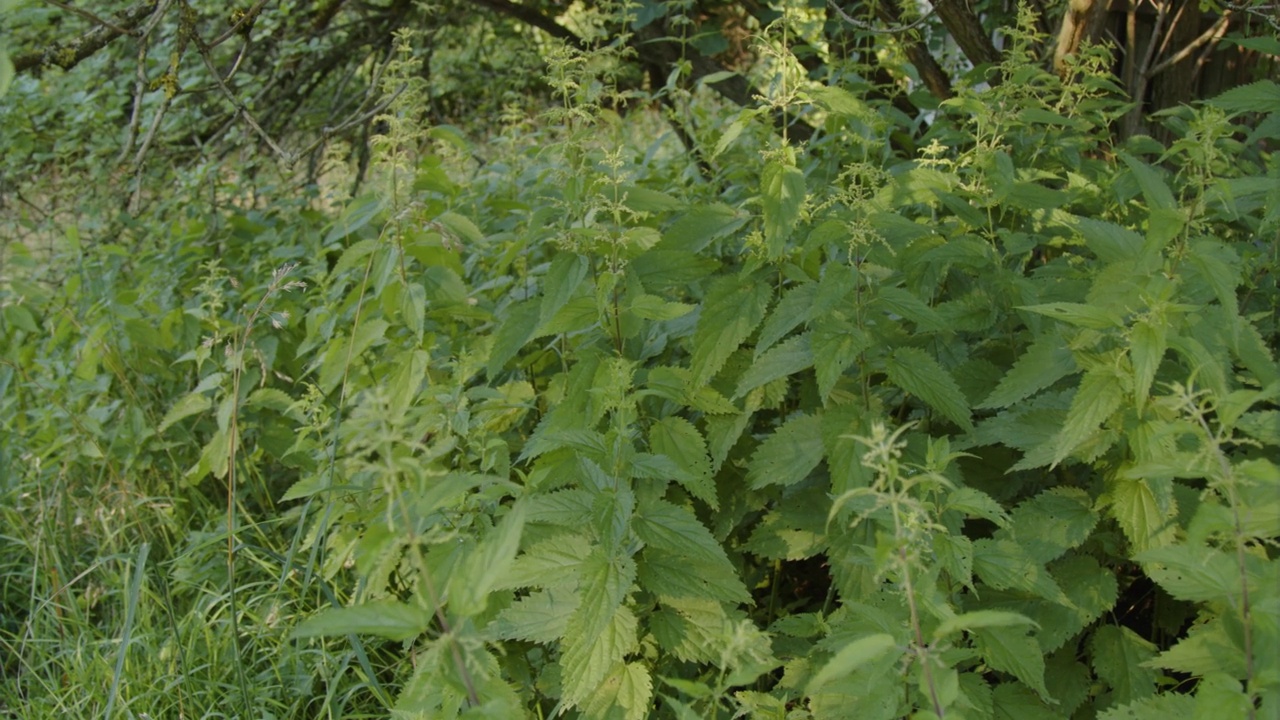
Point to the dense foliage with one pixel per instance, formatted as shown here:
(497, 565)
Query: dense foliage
(808, 407)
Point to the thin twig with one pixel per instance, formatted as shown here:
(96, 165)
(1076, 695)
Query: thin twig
(328, 132)
(896, 30)
(1212, 35)
(203, 50)
(91, 17)
(235, 28)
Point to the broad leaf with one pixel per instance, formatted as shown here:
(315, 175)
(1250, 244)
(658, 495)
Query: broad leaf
(788, 455)
(916, 372)
(734, 306)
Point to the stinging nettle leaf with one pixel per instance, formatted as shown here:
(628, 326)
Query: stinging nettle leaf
(788, 455)
(390, 619)
(782, 193)
(1099, 395)
(853, 656)
(1089, 316)
(1045, 362)
(786, 359)
(679, 440)
(734, 306)
(561, 282)
(916, 372)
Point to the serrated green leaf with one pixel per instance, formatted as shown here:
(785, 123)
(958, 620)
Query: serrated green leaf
(1207, 648)
(1120, 659)
(1146, 349)
(678, 439)
(461, 227)
(782, 193)
(788, 455)
(1053, 522)
(835, 345)
(853, 656)
(1193, 573)
(1262, 96)
(1099, 395)
(652, 307)
(980, 619)
(1160, 707)
(518, 328)
(975, 503)
(561, 282)
(540, 617)
(1143, 508)
(192, 403)
(916, 372)
(1003, 564)
(586, 658)
(1045, 362)
(390, 619)
(1011, 650)
(682, 558)
(356, 215)
(701, 225)
(1110, 242)
(1079, 314)
(1154, 189)
(909, 307)
(786, 359)
(791, 310)
(628, 689)
(470, 588)
(734, 306)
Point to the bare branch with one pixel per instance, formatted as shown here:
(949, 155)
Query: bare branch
(67, 55)
(893, 30)
(1212, 35)
(91, 17)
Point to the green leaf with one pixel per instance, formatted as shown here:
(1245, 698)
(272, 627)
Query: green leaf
(561, 282)
(358, 213)
(541, 617)
(1045, 362)
(980, 619)
(678, 439)
(1011, 650)
(518, 328)
(1154, 189)
(1004, 564)
(469, 589)
(1146, 349)
(390, 619)
(1110, 242)
(193, 403)
(1088, 316)
(702, 224)
(1260, 97)
(788, 358)
(652, 307)
(734, 306)
(791, 310)
(627, 688)
(782, 193)
(1160, 707)
(1193, 573)
(788, 455)
(587, 657)
(853, 656)
(909, 307)
(460, 227)
(703, 566)
(1207, 648)
(1053, 522)
(835, 344)
(916, 372)
(1099, 395)
(1120, 658)
(1144, 509)
(549, 562)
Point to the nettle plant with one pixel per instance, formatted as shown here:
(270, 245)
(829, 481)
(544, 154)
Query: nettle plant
(989, 431)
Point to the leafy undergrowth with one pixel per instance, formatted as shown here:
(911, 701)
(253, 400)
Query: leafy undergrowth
(988, 430)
